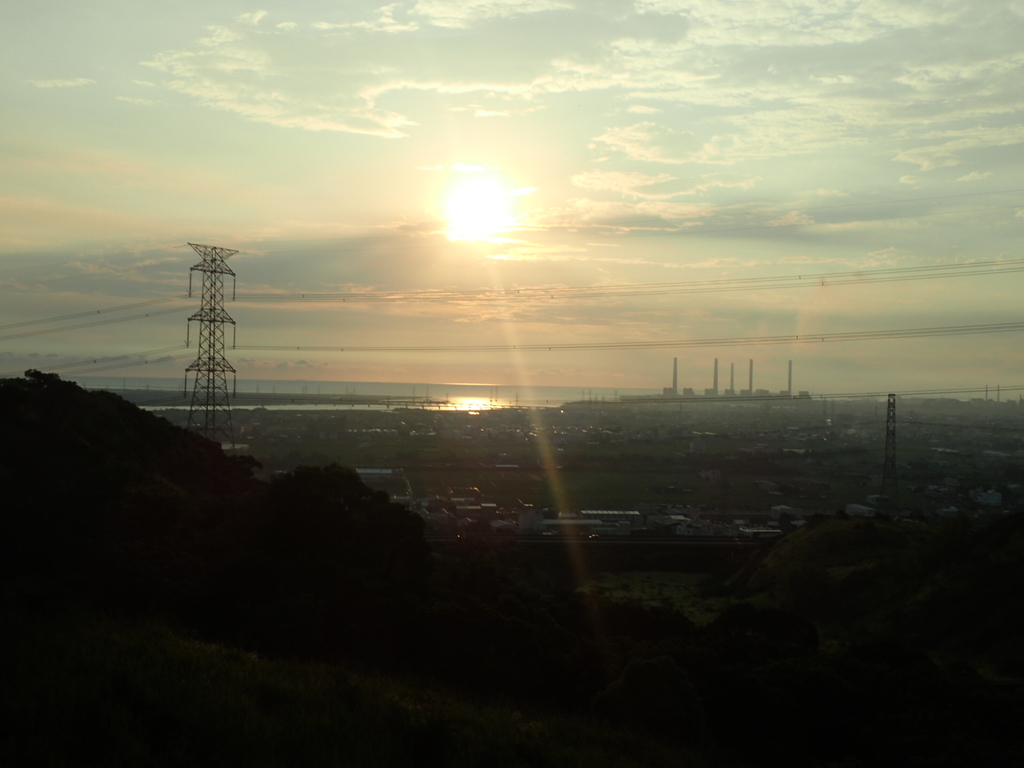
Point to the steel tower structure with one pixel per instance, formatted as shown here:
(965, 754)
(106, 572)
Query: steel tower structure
(210, 414)
(889, 480)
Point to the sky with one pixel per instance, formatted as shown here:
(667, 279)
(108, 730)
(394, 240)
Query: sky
(530, 145)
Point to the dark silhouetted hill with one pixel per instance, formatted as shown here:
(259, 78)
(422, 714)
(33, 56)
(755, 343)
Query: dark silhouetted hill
(950, 589)
(132, 522)
(103, 496)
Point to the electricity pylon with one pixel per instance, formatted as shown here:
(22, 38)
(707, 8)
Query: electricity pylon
(889, 481)
(210, 414)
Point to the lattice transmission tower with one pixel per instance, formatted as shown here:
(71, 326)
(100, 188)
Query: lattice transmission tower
(210, 414)
(889, 492)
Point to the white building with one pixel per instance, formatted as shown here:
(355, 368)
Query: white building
(631, 517)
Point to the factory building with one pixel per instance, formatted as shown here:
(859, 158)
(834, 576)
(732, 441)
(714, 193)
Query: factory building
(713, 391)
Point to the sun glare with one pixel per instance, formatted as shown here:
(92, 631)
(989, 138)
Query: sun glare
(471, 404)
(478, 209)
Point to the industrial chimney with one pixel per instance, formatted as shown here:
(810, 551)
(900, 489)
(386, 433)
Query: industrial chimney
(714, 385)
(751, 378)
(789, 389)
(675, 375)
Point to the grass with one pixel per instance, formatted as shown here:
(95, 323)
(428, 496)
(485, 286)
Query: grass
(835, 572)
(861, 580)
(683, 592)
(829, 546)
(85, 690)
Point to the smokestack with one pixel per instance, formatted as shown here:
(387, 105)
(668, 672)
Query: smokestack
(675, 375)
(715, 385)
(789, 389)
(751, 377)
(732, 377)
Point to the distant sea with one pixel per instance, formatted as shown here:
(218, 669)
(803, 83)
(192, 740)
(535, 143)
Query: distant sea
(464, 394)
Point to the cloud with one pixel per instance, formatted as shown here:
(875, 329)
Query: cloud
(141, 102)
(791, 128)
(286, 25)
(384, 23)
(652, 142)
(888, 255)
(460, 14)
(943, 155)
(76, 82)
(975, 176)
(792, 219)
(643, 214)
(624, 182)
(32, 221)
(232, 71)
(812, 92)
(802, 22)
(541, 252)
(928, 158)
(480, 111)
(464, 168)
(799, 99)
(712, 183)
(253, 18)
(946, 79)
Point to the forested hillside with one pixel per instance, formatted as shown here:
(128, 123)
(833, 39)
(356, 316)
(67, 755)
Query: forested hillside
(254, 594)
(956, 592)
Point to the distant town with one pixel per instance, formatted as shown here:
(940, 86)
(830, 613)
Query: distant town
(661, 466)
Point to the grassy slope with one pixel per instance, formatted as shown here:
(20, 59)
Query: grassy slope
(850, 576)
(951, 591)
(683, 592)
(84, 690)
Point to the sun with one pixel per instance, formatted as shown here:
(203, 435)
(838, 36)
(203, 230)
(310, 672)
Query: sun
(478, 209)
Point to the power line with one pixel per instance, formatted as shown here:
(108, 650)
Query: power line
(898, 274)
(118, 366)
(42, 331)
(786, 225)
(107, 360)
(901, 201)
(166, 359)
(91, 312)
(814, 338)
(850, 277)
(814, 279)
